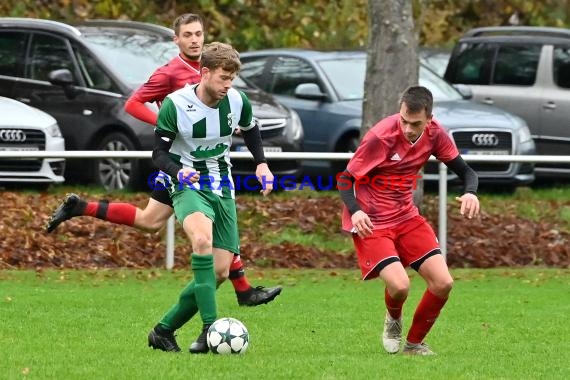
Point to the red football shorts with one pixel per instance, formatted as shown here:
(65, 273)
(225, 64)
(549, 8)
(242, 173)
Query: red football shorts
(410, 242)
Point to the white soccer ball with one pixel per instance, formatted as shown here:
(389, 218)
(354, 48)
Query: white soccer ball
(228, 336)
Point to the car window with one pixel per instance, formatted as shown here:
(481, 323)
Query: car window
(561, 66)
(12, 53)
(131, 54)
(346, 76)
(253, 71)
(472, 64)
(516, 65)
(48, 53)
(440, 89)
(94, 75)
(289, 72)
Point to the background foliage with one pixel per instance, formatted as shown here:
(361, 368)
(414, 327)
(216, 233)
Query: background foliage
(323, 24)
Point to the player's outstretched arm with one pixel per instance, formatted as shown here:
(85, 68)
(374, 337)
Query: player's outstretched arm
(469, 202)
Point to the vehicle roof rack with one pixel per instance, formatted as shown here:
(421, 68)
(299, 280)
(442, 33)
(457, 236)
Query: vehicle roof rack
(518, 30)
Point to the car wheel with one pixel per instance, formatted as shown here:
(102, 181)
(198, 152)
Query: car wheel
(116, 173)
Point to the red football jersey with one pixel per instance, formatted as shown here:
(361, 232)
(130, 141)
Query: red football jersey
(168, 78)
(385, 167)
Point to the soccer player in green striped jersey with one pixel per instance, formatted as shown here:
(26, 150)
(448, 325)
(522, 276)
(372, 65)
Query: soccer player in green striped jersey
(192, 144)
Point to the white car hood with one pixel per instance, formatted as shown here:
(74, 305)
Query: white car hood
(15, 114)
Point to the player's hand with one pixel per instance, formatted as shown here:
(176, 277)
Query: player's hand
(188, 174)
(362, 224)
(265, 178)
(469, 205)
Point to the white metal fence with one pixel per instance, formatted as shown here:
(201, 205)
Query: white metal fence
(442, 213)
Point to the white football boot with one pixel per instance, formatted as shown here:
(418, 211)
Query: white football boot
(392, 335)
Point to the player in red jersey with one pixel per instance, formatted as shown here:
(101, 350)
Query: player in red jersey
(388, 232)
(181, 70)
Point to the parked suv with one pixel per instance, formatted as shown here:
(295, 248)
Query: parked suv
(82, 75)
(26, 129)
(326, 88)
(526, 71)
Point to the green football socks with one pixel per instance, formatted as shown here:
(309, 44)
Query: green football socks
(199, 294)
(205, 286)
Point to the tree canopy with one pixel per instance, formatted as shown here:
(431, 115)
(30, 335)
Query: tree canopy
(320, 24)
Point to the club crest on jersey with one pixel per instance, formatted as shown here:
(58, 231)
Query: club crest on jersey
(206, 152)
(230, 119)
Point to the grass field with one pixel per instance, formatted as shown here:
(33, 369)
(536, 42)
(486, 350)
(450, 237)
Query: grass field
(499, 324)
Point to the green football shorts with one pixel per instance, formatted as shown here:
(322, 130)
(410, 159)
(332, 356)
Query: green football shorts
(222, 212)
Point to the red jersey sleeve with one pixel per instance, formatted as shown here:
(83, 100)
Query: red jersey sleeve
(138, 109)
(155, 89)
(370, 154)
(444, 149)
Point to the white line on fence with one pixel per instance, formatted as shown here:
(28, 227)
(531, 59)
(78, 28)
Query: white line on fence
(442, 215)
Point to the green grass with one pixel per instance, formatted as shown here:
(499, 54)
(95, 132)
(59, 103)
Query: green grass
(552, 204)
(499, 324)
(322, 239)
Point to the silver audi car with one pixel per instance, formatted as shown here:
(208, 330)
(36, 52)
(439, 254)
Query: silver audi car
(27, 129)
(326, 89)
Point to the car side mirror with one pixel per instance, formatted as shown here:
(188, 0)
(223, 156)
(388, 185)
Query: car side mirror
(464, 90)
(63, 78)
(309, 91)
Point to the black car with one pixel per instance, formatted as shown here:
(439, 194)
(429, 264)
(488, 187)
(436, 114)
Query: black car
(82, 75)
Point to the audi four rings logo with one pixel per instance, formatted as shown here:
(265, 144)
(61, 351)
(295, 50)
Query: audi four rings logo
(485, 139)
(12, 135)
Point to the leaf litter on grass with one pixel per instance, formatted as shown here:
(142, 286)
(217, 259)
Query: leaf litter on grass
(498, 238)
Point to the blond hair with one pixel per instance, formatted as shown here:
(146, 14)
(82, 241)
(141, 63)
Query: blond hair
(219, 54)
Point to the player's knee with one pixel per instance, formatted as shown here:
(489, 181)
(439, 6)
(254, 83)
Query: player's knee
(202, 243)
(400, 288)
(442, 287)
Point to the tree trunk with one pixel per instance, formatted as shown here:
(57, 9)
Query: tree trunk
(392, 59)
(392, 64)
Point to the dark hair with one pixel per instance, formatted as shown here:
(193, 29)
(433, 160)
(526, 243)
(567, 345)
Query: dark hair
(417, 98)
(184, 19)
(219, 54)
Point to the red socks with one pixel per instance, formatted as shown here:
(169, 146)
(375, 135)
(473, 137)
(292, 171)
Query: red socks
(115, 212)
(425, 316)
(237, 275)
(393, 306)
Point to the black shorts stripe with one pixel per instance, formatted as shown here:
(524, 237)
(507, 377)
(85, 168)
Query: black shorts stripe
(384, 263)
(416, 264)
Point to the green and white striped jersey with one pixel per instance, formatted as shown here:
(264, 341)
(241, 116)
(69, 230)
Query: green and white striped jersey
(203, 135)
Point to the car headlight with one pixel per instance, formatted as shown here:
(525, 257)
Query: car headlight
(53, 131)
(296, 126)
(524, 134)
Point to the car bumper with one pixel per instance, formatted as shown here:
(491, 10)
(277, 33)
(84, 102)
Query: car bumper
(493, 173)
(35, 170)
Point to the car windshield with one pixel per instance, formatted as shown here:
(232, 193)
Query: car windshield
(440, 89)
(347, 77)
(133, 56)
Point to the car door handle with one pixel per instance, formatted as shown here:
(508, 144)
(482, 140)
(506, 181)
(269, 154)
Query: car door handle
(549, 106)
(23, 100)
(488, 101)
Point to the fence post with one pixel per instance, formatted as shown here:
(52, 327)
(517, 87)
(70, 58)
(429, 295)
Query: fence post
(442, 230)
(170, 243)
